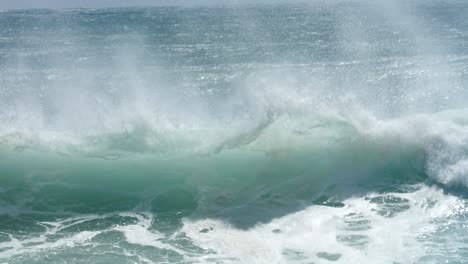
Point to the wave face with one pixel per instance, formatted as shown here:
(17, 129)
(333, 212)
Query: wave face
(329, 132)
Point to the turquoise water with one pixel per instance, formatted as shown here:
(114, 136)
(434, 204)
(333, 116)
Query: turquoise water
(310, 133)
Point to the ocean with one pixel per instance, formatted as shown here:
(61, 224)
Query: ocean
(321, 132)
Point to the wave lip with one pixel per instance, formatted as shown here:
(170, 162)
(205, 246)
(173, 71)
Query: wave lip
(442, 137)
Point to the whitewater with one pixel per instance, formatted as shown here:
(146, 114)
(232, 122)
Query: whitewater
(319, 132)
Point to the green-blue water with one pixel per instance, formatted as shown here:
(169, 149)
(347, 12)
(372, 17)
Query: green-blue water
(328, 132)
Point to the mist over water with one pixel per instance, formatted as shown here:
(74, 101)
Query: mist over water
(326, 132)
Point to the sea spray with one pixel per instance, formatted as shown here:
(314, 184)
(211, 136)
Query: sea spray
(285, 133)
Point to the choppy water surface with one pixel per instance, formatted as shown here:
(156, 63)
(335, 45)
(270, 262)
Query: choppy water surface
(328, 132)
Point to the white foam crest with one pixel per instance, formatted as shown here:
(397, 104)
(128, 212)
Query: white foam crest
(457, 173)
(361, 232)
(443, 136)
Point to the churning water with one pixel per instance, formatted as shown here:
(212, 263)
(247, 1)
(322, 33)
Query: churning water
(327, 132)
